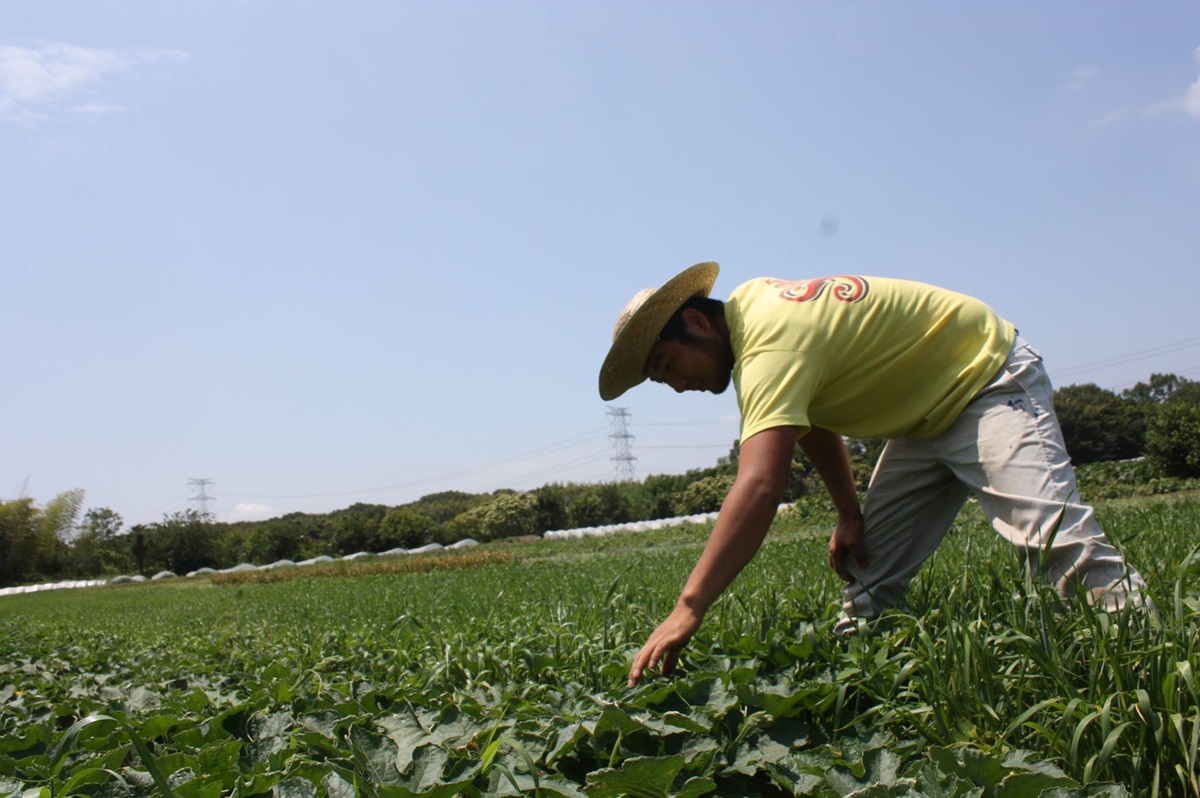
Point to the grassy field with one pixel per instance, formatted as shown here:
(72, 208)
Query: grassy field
(501, 671)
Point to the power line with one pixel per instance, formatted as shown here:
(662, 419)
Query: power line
(691, 446)
(622, 441)
(579, 461)
(1177, 372)
(592, 434)
(685, 423)
(139, 518)
(1121, 360)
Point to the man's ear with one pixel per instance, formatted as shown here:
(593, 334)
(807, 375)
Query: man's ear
(692, 317)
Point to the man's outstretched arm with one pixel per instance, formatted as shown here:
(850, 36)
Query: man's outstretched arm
(741, 526)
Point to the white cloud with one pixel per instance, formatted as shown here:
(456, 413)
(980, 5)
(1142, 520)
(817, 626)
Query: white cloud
(247, 511)
(1080, 76)
(1188, 102)
(97, 109)
(1110, 118)
(38, 81)
(1191, 100)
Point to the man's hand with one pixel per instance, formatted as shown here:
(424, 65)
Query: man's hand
(663, 646)
(847, 539)
(827, 452)
(745, 517)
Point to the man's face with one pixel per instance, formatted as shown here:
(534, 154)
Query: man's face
(703, 363)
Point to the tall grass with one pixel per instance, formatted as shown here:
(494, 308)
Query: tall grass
(520, 660)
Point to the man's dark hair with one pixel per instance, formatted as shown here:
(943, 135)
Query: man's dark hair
(676, 330)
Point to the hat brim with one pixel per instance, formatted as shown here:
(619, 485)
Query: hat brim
(624, 367)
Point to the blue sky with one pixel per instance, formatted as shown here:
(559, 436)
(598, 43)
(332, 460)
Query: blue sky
(322, 253)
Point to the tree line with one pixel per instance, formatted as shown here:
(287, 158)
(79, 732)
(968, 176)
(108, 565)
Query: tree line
(1158, 420)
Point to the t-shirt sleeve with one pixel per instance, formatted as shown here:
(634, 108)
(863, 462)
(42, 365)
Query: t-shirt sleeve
(775, 389)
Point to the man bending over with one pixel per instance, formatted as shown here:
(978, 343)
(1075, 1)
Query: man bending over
(963, 400)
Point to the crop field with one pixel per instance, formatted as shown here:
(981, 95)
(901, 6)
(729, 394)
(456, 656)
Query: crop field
(502, 671)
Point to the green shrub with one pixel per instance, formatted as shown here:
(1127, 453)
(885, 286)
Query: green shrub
(1173, 440)
(704, 495)
(505, 516)
(1124, 479)
(403, 527)
(597, 505)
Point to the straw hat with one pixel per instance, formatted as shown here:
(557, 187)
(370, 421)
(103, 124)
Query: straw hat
(640, 323)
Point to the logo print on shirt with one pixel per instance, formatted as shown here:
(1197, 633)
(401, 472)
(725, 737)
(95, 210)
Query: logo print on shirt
(845, 288)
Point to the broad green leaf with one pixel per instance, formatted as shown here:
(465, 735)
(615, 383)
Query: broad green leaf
(772, 746)
(428, 763)
(980, 768)
(901, 788)
(270, 724)
(337, 787)
(566, 741)
(376, 753)
(219, 757)
(294, 787)
(270, 733)
(641, 777)
(258, 783)
(795, 780)
(427, 777)
(673, 723)
(324, 723)
(781, 697)
(523, 784)
(653, 694)
(879, 767)
(411, 730)
(753, 756)
(696, 786)
(616, 719)
(143, 699)
(33, 740)
(1024, 761)
(1030, 785)
(933, 782)
(157, 726)
(708, 695)
(198, 789)
(1090, 791)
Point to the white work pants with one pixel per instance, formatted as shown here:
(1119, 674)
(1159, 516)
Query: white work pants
(1007, 449)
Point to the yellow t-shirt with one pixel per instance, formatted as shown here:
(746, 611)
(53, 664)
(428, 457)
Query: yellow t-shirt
(862, 356)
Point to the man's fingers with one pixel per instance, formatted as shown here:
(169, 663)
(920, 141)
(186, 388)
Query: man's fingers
(840, 547)
(638, 667)
(664, 644)
(835, 562)
(841, 571)
(646, 659)
(636, 670)
(653, 655)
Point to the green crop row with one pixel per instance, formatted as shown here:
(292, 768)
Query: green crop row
(505, 676)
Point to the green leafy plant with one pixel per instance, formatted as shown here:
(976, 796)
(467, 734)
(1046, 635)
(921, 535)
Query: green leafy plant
(501, 671)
